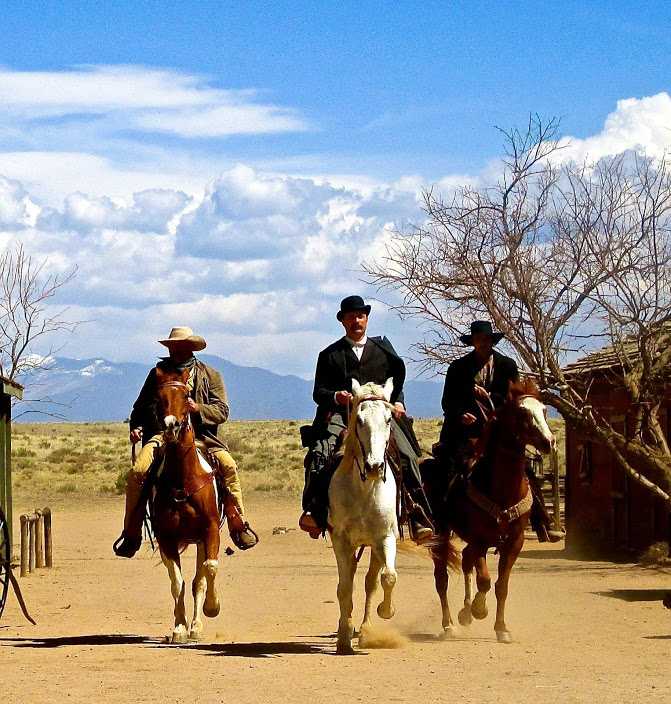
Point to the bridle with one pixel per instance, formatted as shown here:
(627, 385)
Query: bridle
(360, 465)
(185, 421)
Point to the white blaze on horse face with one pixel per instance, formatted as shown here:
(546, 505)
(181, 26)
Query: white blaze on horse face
(373, 425)
(539, 423)
(171, 427)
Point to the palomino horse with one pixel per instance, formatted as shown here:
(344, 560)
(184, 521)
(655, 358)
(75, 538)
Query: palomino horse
(185, 508)
(491, 508)
(362, 508)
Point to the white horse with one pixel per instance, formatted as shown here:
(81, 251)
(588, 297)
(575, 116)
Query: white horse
(362, 508)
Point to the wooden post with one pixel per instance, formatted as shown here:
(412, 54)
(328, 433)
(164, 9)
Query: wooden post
(46, 512)
(8, 389)
(39, 539)
(25, 545)
(556, 508)
(32, 526)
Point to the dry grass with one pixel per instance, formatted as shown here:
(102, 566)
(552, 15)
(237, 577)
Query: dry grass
(53, 459)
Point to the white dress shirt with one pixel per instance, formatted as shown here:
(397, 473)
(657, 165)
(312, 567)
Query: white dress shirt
(357, 347)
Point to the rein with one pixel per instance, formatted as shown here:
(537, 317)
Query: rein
(199, 482)
(503, 516)
(362, 471)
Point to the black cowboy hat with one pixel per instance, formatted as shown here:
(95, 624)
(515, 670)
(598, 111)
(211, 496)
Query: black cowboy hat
(352, 303)
(482, 327)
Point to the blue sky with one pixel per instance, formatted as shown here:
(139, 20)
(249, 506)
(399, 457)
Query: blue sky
(228, 165)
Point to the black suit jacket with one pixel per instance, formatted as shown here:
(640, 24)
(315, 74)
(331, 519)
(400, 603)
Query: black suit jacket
(337, 365)
(459, 395)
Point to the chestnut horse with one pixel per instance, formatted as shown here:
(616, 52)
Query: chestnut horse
(185, 508)
(490, 509)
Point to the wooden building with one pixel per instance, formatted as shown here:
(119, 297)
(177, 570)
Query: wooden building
(8, 390)
(606, 510)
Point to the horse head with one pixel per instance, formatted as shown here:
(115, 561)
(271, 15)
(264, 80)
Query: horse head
(370, 426)
(173, 408)
(524, 418)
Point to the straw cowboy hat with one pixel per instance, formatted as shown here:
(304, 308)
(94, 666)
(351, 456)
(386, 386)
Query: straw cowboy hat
(482, 327)
(184, 334)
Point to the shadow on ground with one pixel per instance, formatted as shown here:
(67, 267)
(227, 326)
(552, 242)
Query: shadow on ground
(635, 594)
(260, 650)
(70, 641)
(249, 650)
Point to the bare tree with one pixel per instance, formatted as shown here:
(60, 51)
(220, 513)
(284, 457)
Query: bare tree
(566, 259)
(27, 315)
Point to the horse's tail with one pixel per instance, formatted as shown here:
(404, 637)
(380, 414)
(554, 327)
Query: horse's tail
(453, 556)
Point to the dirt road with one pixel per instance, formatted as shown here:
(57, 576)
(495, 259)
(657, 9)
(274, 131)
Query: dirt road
(584, 631)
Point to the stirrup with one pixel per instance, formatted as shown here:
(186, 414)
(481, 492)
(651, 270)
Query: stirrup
(239, 542)
(126, 545)
(308, 523)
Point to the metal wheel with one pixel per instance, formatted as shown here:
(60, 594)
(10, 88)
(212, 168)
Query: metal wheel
(5, 557)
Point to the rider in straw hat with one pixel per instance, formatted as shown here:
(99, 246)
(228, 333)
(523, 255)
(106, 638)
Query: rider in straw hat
(209, 409)
(366, 359)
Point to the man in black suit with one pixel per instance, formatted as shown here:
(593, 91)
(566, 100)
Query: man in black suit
(479, 380)
(480, 377)
(366, 359)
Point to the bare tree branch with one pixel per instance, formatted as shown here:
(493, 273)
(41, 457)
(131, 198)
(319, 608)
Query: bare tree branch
(563, 259)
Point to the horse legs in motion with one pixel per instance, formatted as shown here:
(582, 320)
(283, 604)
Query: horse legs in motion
(441, 554)
(382, 559)
(205, 599)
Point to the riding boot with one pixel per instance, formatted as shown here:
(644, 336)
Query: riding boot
(131, 538)
(314, 518)
(540, 519)
(242, 535)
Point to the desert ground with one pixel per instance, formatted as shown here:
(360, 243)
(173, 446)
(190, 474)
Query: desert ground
(583, 631)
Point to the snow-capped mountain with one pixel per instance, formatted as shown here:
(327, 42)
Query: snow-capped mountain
(99, 390)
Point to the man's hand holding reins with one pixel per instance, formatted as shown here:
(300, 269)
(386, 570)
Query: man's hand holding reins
(343, 398)
(481, 393)
(399, 410)
(193, 406)
(135, 436)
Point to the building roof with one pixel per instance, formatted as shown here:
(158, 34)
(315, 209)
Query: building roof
(11, 388)
(608, 358)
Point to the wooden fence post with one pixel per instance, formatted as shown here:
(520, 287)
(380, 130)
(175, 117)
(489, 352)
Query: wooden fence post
(25, 545)
(39, 539)
(46, 512)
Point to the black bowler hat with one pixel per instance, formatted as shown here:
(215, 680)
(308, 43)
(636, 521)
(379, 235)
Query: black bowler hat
(482, 327)
(352, 303)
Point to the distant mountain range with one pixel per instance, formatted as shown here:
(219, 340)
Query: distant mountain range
(97, 390)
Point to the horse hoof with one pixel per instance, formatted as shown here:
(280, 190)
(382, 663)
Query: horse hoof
(450, 632)
(504, 637)
(195, 635)
(385, 613)
(179, 637)
(211, 612)
(479, 613)
(465, 617)
(344, 649)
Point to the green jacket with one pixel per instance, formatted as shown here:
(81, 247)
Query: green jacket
(208, 392)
